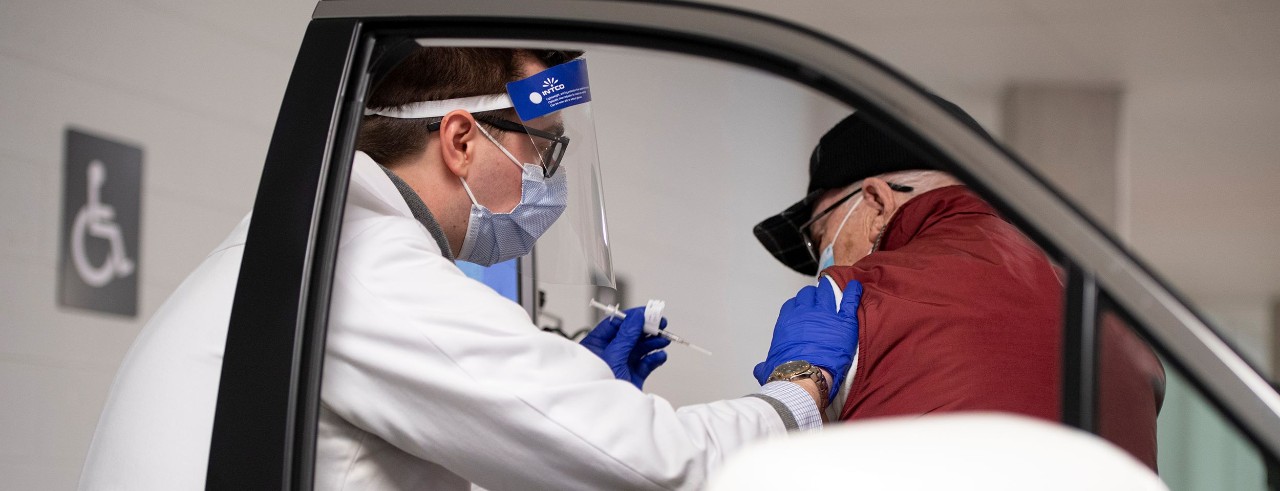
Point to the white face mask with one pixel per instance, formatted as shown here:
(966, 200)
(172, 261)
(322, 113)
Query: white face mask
(495, 237)
(828, 257)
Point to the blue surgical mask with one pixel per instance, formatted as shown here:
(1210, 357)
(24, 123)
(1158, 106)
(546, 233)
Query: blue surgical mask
(828, 257)
(827, 260)
(496, 237)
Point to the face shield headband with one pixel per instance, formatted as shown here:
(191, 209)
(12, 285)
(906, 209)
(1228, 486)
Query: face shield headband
(437, 109)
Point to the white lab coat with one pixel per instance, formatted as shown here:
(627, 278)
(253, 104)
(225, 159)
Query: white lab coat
(431, 381)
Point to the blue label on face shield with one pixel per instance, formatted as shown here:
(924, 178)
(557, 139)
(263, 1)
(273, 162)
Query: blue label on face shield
(553, 89)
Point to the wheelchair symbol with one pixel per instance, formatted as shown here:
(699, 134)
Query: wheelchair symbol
(95, 219)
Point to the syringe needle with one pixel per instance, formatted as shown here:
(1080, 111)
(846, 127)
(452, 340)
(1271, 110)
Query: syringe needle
(613, 311)
(677, 339)
(698, 348)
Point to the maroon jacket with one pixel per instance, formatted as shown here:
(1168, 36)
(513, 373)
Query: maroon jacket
(961, 312)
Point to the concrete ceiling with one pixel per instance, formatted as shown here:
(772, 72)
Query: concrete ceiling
(990, 42)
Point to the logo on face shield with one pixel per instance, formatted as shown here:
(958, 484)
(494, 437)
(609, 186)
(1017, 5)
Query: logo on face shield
(551, 84)
(556, 88)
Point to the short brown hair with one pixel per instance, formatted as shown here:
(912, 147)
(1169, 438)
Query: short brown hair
(435, 73)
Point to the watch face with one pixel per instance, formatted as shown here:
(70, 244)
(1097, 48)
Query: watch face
(793, 367)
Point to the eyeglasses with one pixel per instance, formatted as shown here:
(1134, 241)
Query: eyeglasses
(551, 153)
(806, 230)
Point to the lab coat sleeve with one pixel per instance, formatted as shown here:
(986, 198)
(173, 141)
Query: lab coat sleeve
(447, 370)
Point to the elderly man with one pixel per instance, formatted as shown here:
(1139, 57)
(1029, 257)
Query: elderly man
(961, 312)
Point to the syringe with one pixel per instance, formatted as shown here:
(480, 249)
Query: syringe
(650, 328)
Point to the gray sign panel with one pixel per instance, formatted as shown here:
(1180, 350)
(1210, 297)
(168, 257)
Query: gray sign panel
(101, 200)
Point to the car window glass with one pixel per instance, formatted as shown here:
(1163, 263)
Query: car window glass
(1196, 445)
(683, 189)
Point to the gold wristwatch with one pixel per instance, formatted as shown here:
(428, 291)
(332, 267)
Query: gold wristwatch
(793, 370)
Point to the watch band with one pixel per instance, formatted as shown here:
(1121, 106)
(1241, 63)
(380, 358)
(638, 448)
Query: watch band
(792, 370)
(824, 390)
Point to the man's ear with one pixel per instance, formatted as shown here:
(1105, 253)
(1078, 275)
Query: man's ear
(458, 135)
(880, 198)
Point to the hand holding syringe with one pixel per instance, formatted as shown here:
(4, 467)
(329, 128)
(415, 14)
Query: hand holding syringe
(652, 319)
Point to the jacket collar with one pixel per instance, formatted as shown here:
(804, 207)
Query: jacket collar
(394, 192)
(421, 213)
(927, 209)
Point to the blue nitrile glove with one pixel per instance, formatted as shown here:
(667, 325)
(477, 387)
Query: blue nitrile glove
(622, 344)
(809, 329)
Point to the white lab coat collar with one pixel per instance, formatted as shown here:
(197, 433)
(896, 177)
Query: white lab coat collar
(368, 176)
(371, 196)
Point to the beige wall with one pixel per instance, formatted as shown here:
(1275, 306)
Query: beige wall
(196, 85)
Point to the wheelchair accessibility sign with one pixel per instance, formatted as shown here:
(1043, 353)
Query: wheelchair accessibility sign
(101, 198)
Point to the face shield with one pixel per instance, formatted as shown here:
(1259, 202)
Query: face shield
(555, 107)
(556, 133)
